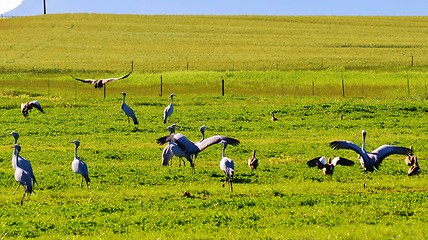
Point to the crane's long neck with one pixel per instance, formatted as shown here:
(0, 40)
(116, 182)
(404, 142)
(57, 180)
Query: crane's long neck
(75, 152)
(123, 101)
(254, 154)
(15, 158)
(203, 136)
(223, 151)
(363, 145)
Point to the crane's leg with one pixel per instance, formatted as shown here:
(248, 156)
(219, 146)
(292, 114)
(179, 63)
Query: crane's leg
(81, 183)
(16, 189)
(231, 189)
(129, 120)
(22, 199)
(365, 178)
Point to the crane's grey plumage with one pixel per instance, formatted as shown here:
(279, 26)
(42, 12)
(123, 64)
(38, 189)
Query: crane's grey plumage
(370, 160)
(25, 107)
(80, 166)
(22, 176)
(21, 161)
(191, 149)
(128, 111)
(328, 167)
(227, 165)
(167, 112)
(99, 83)
(167, 153)
(172, 149)
(253, 162)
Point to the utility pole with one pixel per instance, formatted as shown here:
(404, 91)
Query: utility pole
(44, 6)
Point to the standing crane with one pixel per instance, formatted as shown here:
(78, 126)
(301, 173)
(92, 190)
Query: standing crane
(21, 161)
(80, 166)
(227, 166)
(21, 176)
(167, 112)
(25, 107)
(128, 111)
(253, 162)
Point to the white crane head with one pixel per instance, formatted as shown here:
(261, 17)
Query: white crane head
(224, 143)
(124, 94)
(76, 142)
(171, 95)
(364, 133)
(202, 129)
(15, 135)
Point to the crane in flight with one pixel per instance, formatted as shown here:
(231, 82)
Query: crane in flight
(99, 83)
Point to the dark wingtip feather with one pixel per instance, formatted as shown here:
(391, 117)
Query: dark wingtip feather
(233, 141)
(313, 162)
(162, 140)
(345, 162)
(334, 145)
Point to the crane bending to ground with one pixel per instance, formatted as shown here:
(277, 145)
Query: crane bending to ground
(25, 107)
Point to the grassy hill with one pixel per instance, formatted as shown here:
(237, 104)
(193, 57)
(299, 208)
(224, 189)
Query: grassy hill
(92, 42)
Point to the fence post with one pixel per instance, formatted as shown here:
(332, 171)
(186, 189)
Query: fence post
(343, 87)
(412, 60)
(313, 88)
(187, 66)
(104, 90)
(362, 89)
(160, 94)
(132, 65)
(222, 87)
(408, 85)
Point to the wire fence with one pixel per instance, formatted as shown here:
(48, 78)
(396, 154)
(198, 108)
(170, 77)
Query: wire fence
(72, 89)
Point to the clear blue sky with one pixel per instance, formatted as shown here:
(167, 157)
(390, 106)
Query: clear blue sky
(227, 7)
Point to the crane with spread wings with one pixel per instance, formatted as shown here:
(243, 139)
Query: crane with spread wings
(99, 83)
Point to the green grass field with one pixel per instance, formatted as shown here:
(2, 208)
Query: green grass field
(268, 64)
